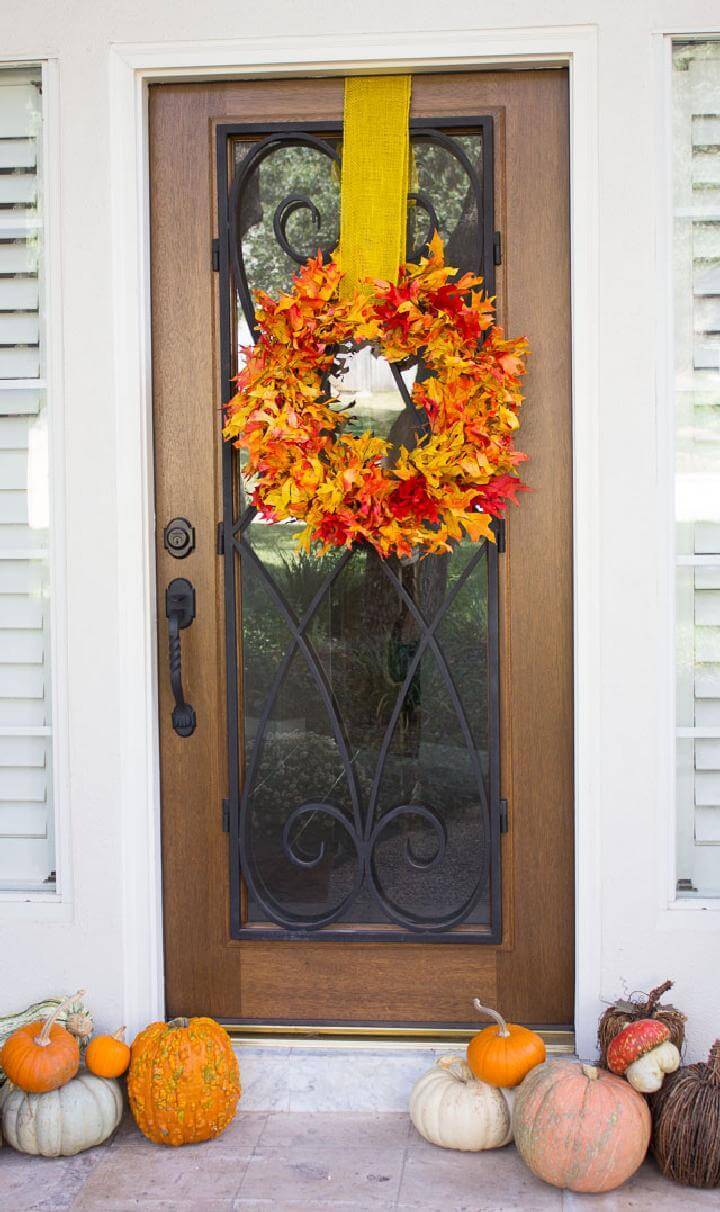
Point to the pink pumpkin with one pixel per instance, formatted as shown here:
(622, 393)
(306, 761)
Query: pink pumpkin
(580, 1128)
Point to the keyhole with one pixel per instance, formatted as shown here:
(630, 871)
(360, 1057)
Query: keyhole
(179, 538)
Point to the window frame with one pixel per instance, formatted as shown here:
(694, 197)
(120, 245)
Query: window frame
(33, 902)
(675, 904)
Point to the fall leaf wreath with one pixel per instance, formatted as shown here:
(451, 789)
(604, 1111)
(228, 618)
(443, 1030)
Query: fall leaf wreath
(304, 465)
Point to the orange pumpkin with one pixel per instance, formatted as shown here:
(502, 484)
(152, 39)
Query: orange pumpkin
(579, 1127)
(504, 1054)
(108, 1055)
(42, 1055)
(183, 1081)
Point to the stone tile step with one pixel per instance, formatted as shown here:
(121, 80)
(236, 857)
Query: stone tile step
(310, 1162)
(320, 1079)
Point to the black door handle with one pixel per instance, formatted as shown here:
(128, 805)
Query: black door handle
(180, 611)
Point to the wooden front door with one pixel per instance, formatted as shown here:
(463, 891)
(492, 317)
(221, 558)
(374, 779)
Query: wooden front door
(372, 819)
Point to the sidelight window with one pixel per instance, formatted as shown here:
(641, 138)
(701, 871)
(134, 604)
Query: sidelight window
(27, 852)
(696, 308)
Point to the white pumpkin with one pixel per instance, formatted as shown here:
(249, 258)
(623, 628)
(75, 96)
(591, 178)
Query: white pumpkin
(78, 1115)
(451, 1108)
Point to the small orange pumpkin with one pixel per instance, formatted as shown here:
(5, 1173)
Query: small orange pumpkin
(108, 1055)
(183, 1081)
(504, 1054)
(42, 1055)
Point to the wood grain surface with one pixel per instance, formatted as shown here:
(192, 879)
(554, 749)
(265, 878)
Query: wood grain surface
(530, 975)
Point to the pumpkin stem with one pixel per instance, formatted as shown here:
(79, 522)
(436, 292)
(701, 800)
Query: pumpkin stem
(457, 1066)
(503, 1032)
(179, 1022)
(590, 1071)
(714, 1064)
(120, 1034)
(653, 998)
(43, 1039)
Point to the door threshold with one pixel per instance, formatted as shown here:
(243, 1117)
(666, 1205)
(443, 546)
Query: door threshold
(558, 1040)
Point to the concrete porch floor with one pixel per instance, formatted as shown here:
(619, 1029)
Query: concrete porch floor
(306, 1162)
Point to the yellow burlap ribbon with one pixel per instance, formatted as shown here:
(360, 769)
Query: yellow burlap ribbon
(374, 179)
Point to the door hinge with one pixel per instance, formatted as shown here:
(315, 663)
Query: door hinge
(226, 816)
(500, 535)
(216, 256)
(220, 547)
(503, 816)
(497, 248)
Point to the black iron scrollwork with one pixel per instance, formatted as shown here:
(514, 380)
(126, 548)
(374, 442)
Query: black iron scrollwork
(289, 205)
(363, 829)
(359, 822)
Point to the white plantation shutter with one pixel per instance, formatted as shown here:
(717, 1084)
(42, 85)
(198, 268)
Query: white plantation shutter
(26, 827)
(696, 172)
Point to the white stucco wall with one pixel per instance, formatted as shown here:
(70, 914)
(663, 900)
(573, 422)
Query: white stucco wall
(641, 941)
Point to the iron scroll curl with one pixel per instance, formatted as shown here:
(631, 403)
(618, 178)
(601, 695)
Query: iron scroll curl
(289, 205)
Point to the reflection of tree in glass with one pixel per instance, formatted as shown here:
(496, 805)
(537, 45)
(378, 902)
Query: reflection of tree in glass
(437, 173)
(289, 170)
(302, 170)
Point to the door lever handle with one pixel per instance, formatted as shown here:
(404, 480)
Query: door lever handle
(180, 611)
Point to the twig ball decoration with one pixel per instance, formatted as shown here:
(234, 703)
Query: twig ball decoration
(625, 1011)
(686, 1123)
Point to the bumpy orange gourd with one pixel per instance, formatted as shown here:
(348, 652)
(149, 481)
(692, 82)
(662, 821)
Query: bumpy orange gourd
(504, 1054)
(183, 1081)
(42, 1055)
(108, 1055)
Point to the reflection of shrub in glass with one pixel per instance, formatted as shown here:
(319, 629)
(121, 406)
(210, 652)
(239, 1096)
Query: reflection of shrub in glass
(365, 637)
(300, 577)
(301, 170)
(297, 766)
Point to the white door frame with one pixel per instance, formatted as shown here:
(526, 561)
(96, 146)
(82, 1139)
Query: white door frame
(131, 68)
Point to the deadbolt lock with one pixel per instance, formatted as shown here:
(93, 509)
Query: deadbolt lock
(179, 538)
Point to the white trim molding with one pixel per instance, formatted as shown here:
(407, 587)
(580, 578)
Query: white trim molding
(665, 438)
(132, 67)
